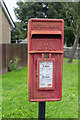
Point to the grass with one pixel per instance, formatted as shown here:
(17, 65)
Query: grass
(0, 97)
(15, 95)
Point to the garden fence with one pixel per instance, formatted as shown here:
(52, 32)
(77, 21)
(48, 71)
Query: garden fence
(9, 52)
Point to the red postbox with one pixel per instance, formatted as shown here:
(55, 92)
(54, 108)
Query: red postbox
(45, 59)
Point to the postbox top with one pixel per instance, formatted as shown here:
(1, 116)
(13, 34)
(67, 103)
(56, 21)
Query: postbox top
(44, 19)
(46, 26)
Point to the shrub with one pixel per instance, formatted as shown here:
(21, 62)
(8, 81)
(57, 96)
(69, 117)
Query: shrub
(13, 64)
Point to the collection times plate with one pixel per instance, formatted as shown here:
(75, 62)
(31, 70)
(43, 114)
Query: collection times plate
(46, 74)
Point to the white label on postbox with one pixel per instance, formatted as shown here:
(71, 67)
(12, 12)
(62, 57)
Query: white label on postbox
(46, 74)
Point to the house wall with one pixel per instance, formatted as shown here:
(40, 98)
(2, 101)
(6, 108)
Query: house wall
(0, 40)
(0, 25)
(6, 29)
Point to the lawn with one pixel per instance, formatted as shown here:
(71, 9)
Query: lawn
(15, 102)
(0, 97)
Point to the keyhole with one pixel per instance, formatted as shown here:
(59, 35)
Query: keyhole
(46, 55)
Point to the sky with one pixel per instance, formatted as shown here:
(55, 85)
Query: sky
(10, 5)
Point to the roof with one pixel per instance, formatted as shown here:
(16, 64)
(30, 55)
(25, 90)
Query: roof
(24, 41)
(7, 13)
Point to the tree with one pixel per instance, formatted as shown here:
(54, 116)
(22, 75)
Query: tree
(75, 9)
(18, 32)
(25, 11)
(69, 36)
(61, 11)
(15, 34)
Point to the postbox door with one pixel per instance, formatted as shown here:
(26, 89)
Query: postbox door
(42, 93)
